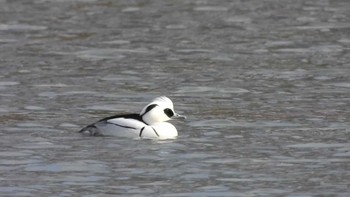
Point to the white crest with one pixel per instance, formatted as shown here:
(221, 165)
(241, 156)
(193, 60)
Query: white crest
(161, 109)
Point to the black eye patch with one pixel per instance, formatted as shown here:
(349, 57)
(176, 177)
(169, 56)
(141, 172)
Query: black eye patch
(169, 112)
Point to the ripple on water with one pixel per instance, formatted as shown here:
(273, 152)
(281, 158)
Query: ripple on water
(21, 27)
(31, 124)
(343, 85)
(345, 154)
(30, 143)
(209, 90)
(211, 8)
(121, 78)
(190, 51)
(76, 1)
(69, 93)
(131, 9)
(103, 107)
(57, 85)
(32, 127)
(344, 40)
(34, 108)
(238, 19)
(14, 154)
(48, 94)
(327, 49)
(205, 193)
(213, 123)
(7, 40)
(18, 161)
(8, 83)
(19, 191)
(314, 49)
(325, 26)
(69, 125)
(294, 50)
(224, 123)
(222, 58)
(100, 54)
(278, 43)
(42, 145)
(317, 145)
(176, 26)
(119, 42)
(4, 84)
(72, 166)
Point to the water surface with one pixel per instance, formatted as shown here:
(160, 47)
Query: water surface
(264, 84)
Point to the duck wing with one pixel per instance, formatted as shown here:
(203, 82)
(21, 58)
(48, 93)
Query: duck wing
(125, 124)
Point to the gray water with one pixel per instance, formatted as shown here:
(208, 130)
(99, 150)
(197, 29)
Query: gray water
(264, 84)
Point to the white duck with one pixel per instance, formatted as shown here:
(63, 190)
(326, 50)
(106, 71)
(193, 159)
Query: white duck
(150, 123)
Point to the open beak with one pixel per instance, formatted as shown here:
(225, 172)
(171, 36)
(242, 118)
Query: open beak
(178, 116)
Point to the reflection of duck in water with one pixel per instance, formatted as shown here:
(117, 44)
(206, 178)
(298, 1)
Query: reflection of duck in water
(150, 123)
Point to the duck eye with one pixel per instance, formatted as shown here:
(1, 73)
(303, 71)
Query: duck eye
(169, 112)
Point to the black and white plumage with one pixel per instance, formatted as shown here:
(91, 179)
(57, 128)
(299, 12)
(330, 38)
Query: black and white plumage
(150, 123)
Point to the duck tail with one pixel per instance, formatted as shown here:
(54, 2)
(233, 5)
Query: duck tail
(91, 130)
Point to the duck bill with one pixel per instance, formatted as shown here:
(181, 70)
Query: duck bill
(178, 116)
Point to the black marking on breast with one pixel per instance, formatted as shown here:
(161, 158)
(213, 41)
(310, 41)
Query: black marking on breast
(141, 131)
(169, 112)
(155, 132)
